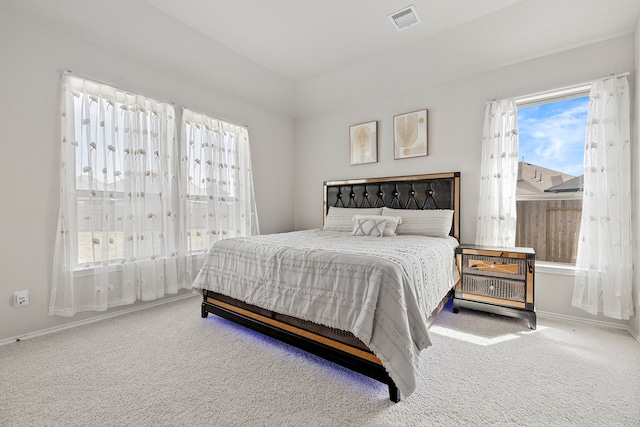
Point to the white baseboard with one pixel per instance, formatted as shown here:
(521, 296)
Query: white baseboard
(543, 314)
(96, 318)
(550, 315)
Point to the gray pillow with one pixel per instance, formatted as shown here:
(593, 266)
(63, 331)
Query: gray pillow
(369, 226)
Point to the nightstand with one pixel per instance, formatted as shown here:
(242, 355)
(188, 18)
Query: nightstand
(497, 280)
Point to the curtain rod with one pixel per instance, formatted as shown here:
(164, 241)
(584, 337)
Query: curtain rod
(69, 73)
(568, 89)
(215, 118)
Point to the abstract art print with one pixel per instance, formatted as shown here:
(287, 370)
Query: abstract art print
(364, 143)
(410, 135)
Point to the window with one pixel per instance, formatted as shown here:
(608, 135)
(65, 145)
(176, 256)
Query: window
(551, 130)
(216, 168)
(122, 160)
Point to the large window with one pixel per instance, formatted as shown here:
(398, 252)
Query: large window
(135, 202)
(125, 186)
(551, 132)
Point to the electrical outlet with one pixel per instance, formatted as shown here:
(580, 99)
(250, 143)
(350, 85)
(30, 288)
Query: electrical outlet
(21, 298)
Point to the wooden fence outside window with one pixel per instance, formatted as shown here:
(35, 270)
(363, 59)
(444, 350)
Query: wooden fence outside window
(550, 227)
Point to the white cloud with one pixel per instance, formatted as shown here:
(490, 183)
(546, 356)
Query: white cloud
(553, 139)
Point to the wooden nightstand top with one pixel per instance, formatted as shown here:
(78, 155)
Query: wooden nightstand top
(467, 246)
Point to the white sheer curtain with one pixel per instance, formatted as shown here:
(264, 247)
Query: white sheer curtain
(604, 260)
(118, 229)
(217, 181)
(498, 175)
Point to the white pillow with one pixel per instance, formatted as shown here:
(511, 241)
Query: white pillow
(368, 226)
(341, 219)
(428, 222)
(390, 225)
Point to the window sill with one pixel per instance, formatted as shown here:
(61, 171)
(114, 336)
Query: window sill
(90, 271)
(555, 268)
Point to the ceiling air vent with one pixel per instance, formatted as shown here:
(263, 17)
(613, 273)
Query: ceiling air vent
(405, 18)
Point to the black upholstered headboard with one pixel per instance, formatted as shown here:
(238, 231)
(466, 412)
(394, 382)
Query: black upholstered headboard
(430, 191)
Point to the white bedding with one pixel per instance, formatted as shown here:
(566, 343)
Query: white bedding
(382, 289)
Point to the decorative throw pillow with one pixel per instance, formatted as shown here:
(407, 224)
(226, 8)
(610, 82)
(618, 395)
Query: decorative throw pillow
(428, 222)
(371, 226)
(390, 225)
(341, 219)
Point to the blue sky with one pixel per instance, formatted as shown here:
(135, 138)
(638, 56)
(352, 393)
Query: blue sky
(552, 135)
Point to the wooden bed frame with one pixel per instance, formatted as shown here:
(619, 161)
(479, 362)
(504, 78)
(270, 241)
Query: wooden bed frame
(432, 191)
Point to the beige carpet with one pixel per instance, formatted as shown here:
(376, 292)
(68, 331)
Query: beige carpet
(166, 366)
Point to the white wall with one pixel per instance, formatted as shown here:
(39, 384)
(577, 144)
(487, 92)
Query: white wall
(635, 173)
(455, 128)
(32, 58)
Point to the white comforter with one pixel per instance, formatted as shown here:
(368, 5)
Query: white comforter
(381, 289)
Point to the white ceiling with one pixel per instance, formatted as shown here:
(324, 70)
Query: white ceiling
(274, 47)
(301, 39)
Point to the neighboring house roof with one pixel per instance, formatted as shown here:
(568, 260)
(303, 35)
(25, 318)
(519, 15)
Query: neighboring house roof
(574, 184)
(534, 179)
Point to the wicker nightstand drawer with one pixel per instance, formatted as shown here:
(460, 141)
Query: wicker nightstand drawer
(498, 280)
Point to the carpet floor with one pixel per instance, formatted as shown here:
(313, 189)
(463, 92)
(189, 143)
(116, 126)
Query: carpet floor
(166, 366)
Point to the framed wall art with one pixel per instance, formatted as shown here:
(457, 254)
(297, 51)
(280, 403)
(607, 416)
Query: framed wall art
(410, 135)
(363, 140)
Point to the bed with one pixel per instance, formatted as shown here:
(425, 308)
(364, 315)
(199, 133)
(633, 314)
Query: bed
(291, 286)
